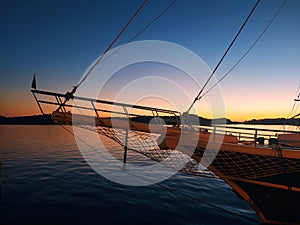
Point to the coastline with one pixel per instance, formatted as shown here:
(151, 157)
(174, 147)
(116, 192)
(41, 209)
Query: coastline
(46, 120)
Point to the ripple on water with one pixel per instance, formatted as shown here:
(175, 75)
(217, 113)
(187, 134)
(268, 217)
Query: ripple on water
(45, 180)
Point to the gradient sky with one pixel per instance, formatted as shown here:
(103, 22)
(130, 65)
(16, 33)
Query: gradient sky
(58, 40)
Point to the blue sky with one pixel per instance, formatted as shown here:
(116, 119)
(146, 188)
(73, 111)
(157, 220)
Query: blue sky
(59, 39)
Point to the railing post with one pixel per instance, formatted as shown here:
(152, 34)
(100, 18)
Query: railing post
(126, 137)
(255, 137)
(95, 109)
(37, 101)
(61, 104)
(215, 130)
(125, 147)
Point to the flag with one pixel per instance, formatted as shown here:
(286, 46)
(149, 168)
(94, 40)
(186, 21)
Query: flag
(33, 84)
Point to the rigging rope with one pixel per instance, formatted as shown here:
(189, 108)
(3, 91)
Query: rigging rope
(247, 52)
(297, 96)
(69, 95)
(142, 30)
(221, 60)
(109, 47)
(152, 21)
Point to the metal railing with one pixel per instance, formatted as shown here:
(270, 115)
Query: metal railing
(97, 106)
(248, 135)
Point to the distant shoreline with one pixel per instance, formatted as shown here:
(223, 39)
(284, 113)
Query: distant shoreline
(27, 120)
(46, 120)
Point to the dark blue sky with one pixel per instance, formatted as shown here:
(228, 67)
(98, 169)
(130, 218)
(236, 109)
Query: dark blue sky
(59, 39)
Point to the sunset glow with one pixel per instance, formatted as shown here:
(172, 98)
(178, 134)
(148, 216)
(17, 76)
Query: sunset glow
(59, 46)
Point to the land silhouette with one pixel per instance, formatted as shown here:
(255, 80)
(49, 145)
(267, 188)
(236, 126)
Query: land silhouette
(46, 120)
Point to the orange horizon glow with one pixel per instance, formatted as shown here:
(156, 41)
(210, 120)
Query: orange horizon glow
(28, 107)
(262, 85)
(241, 102)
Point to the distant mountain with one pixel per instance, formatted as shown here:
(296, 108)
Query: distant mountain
(170, 120)
(36, 119)
(274, 121)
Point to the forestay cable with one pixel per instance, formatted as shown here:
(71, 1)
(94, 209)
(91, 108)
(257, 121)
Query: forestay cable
(221, 60)
(247, 52)
(297, 96)
(152, 21)
(141, 31)
(109, 47)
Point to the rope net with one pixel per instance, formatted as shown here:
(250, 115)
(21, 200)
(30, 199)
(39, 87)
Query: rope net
(146, 144)
(230, 164)
(252, 166)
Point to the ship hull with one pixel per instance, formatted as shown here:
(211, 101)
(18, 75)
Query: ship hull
(273, 192)
(289, 139)
(274, 204)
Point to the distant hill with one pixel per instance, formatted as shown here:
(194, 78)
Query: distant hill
(274, 121)
(170, 120)
(36, 119)
(46, 119)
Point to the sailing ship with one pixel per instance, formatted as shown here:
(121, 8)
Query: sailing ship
(262, 169)
(266, 176)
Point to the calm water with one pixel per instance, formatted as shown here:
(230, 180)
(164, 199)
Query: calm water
(45, 180)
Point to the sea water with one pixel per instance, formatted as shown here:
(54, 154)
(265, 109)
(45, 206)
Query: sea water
(45, 180)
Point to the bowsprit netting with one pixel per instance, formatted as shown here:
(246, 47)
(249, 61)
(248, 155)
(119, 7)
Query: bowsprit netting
(241, 165)
(230, 164)
(147, 145)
